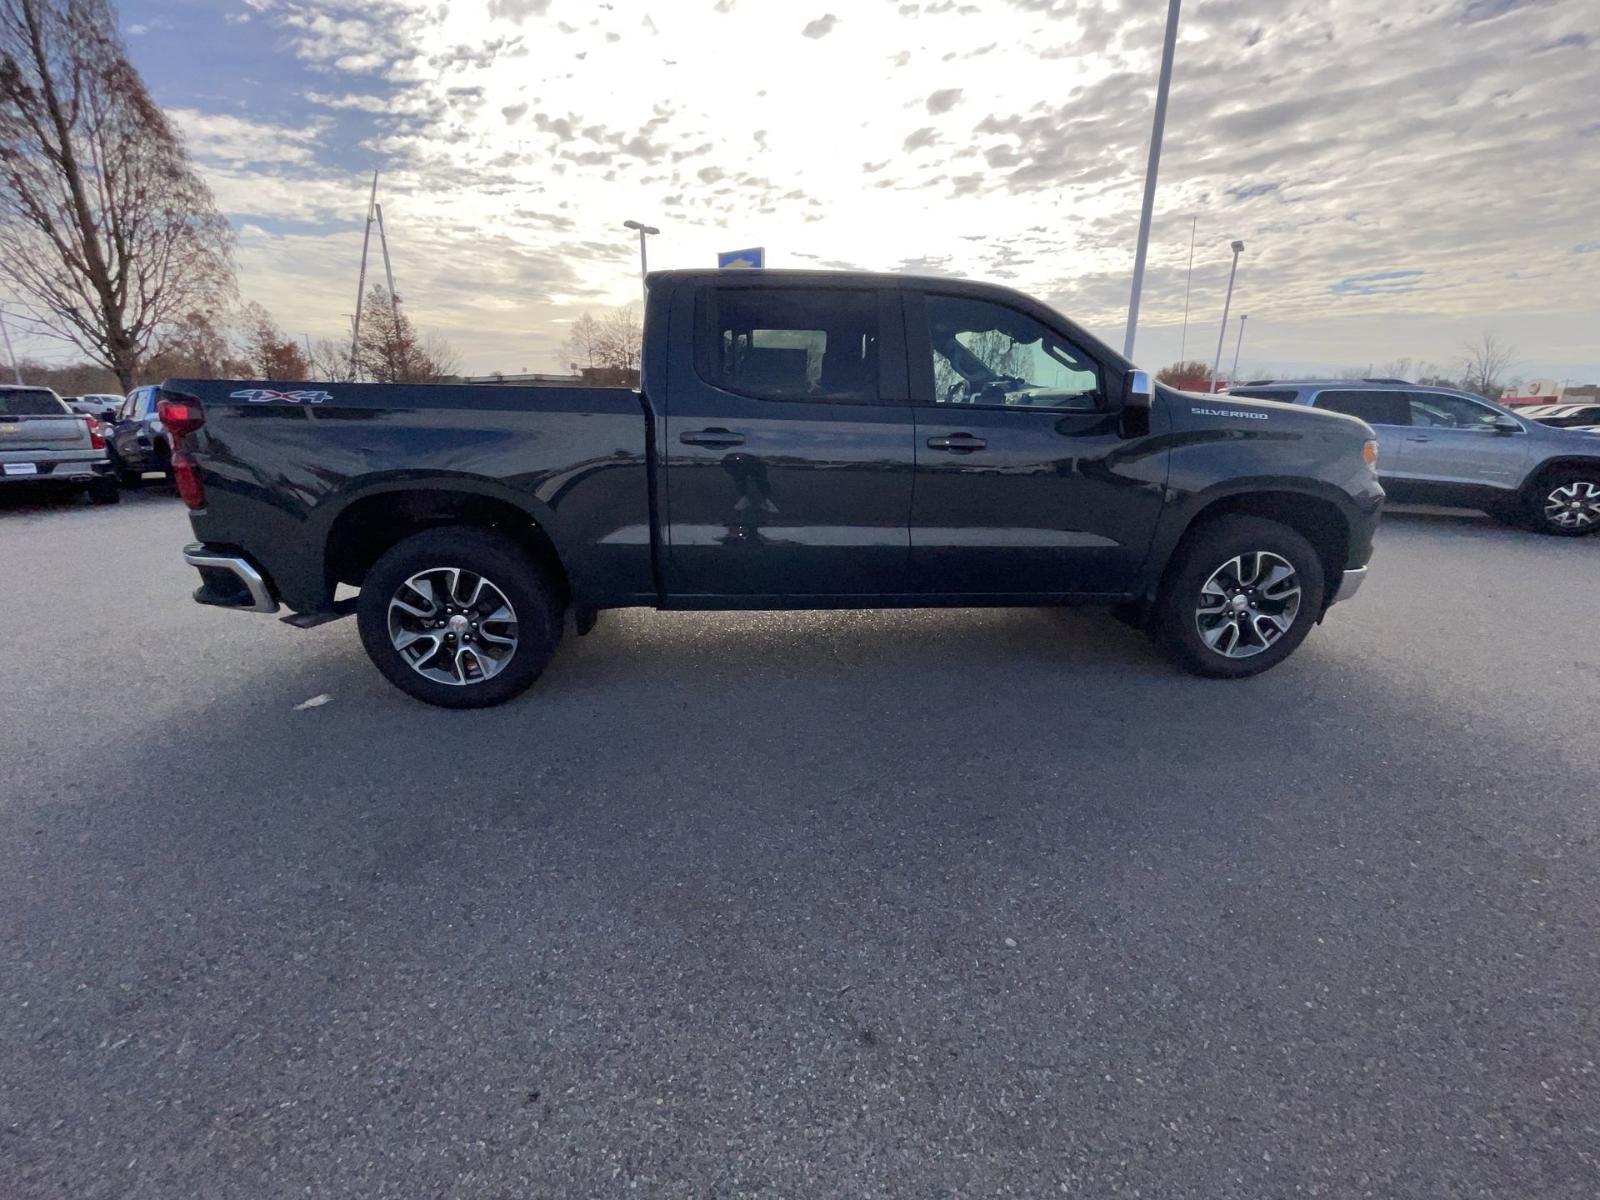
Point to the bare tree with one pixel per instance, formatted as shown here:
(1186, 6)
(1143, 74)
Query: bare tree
(620, 339)
(583, 342)
(271, 355)
(196, 349)
(390, 349)
(105, 230)
(330, 360)
(442, 358)
(1484, 361)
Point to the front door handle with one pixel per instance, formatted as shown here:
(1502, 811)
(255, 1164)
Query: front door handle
(711, 437)
(957, 443)
(1418, 437)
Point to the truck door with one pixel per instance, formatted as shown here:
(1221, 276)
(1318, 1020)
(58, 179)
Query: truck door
(788, 438)
(1025, 483)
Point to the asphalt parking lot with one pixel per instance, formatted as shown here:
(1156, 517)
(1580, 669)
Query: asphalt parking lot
(847, 904)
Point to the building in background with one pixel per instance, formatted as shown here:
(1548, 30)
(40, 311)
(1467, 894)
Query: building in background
(1550, 391)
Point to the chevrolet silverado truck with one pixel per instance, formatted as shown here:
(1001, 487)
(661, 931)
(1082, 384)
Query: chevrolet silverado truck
(799, 440)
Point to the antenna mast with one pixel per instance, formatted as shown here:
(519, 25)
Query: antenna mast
(361, 280)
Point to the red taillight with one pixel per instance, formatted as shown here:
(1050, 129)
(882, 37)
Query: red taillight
(97, 440)
(180, 416)
(186, 474)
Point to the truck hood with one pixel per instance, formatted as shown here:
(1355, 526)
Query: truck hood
(1195, 410)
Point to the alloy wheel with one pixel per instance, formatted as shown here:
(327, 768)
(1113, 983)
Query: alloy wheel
(1573, 505)
(1247, 604)
(452, 626)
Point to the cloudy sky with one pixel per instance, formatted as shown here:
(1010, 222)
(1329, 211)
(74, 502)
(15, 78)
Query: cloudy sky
(1405, 173)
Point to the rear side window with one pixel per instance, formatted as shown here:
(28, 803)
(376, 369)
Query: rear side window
(1375, 408)
(790, 344)
(1285, 395)
(28, 402)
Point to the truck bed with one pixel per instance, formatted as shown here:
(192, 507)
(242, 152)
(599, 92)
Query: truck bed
(290, 469)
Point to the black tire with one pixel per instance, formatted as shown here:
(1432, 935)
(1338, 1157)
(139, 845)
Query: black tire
(1176, 617)
(531, 593)
(103, 491)
(1569, 493)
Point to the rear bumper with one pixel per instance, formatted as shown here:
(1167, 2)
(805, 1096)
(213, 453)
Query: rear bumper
(51, 466)
(229, 580)
(1349, 584)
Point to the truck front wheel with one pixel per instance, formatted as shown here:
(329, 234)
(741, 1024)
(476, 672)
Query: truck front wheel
(459, 617)
(1242, 593)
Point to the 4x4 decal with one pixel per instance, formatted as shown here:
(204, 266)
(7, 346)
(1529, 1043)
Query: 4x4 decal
(267, 395)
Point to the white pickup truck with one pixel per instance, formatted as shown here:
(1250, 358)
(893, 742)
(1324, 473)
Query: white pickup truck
(43, 442)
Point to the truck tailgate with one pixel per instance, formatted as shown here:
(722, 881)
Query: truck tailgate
(43, 433)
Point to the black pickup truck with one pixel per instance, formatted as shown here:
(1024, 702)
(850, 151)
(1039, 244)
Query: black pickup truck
(800, 440)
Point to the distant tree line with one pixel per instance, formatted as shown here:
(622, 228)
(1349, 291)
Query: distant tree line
(1483, 368)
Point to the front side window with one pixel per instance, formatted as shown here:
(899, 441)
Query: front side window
(791, 344)
(1437, 411)
(996, 357)
(1373, 407)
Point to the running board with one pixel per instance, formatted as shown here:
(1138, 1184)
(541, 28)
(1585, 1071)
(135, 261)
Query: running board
(341, 608)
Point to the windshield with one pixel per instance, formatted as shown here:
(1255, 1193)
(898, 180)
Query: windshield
(30, 402)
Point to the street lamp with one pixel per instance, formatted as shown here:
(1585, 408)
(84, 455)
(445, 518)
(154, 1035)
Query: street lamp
(1233, 375)
(644, 230)
(1216, 363)
(1162, 88)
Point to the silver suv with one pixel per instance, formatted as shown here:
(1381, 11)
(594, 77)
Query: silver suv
(1440, 446)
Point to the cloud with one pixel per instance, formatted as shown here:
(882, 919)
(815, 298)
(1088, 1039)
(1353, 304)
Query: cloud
(1488, 10)
(1247, 191)
(518, 10)
(1377, 283)
(1029, 169)
(236, 141)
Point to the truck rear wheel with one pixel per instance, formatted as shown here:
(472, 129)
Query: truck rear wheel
(1242, 593)
(459, 617)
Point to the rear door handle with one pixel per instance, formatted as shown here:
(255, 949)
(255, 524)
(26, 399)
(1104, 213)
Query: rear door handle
(711, 437)
(957, 443)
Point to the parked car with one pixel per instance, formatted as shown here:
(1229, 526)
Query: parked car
(95, 404)
(1441, 446)
(139, 444)
(801, 440)
(1562, 416)
(43, 442)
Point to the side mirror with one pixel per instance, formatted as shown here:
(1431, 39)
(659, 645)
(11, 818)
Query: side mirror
(1138, 394)
(1505, 425)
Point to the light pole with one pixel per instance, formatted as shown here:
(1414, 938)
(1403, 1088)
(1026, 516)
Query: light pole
(644, 263)
(1162, 87)
(1216, 363)
(1233, 375)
